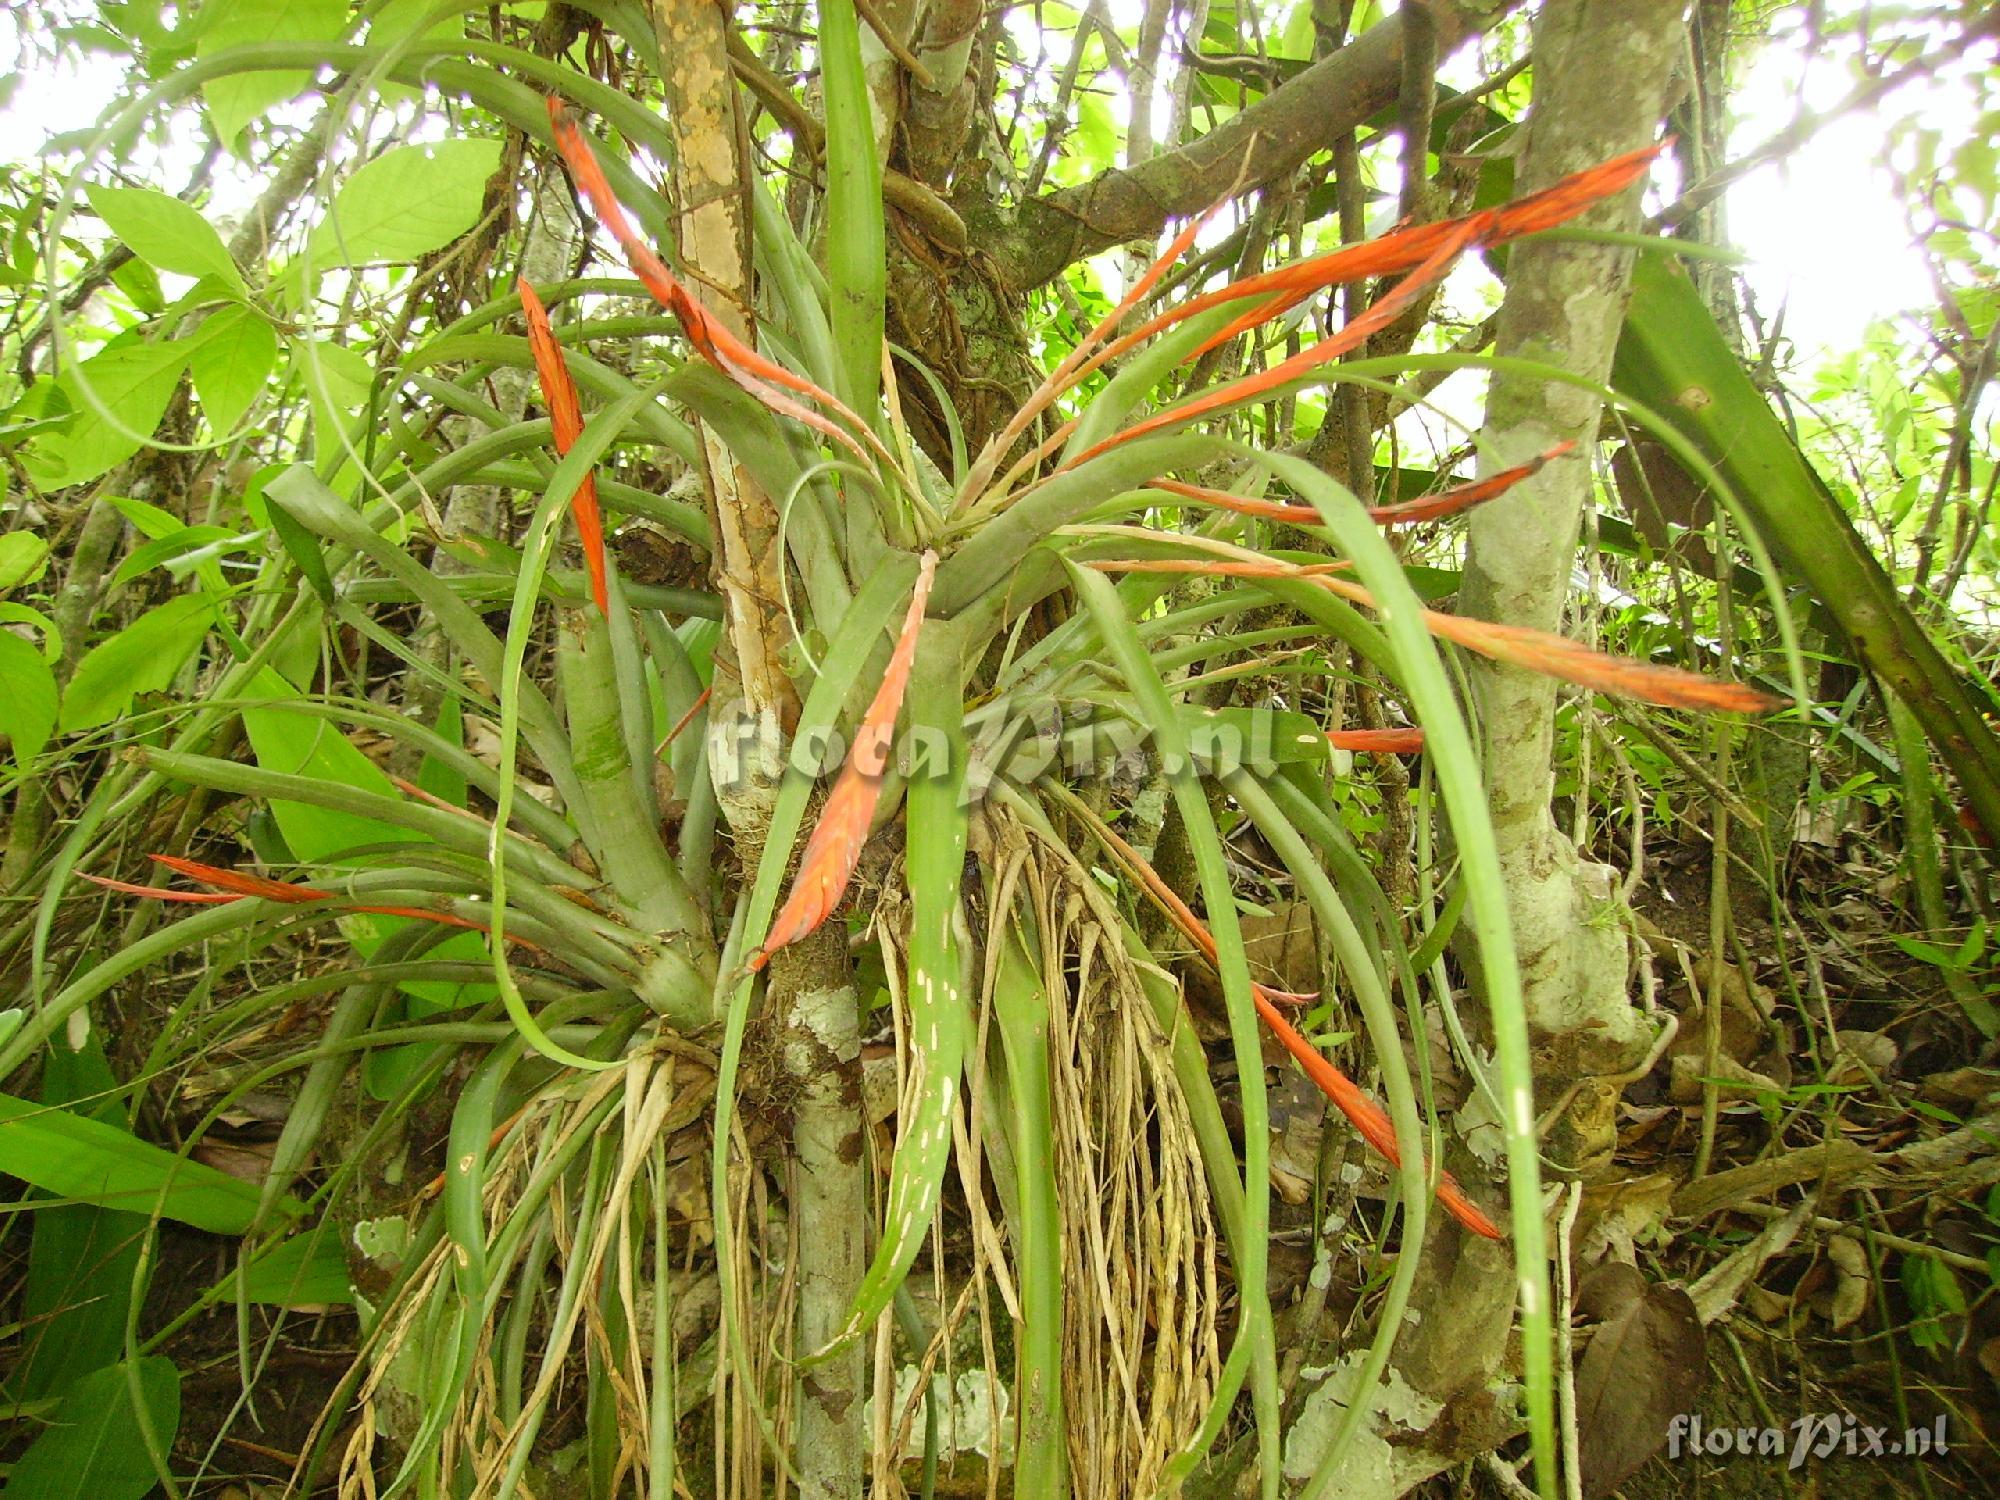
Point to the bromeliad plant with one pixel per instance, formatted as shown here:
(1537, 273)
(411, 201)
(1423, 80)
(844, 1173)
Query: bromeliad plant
(616, 963)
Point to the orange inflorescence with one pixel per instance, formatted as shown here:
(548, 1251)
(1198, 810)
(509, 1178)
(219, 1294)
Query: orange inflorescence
(712, 340)
(566, 419)
(1363, 1113)
(835, 846)
(1404, 513)
(234, 885)
(1534, 650)
(1377, 741)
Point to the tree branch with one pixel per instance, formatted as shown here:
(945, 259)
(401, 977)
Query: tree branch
(1337, 94)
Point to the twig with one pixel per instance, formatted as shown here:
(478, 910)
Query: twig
(1802, 129)
(1566, 1345)
(882, 29)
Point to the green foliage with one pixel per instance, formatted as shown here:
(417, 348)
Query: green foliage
(405, 203)
(509, 886)
(103, 1435)
(237, 98)
(89, 1161)
(143, 657)
(166, 233)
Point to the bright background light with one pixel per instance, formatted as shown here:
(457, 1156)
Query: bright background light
(1824, 228)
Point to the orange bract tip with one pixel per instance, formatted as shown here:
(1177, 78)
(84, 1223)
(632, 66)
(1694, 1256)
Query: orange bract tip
(1377, 741)
(712, 339)
(566, 421)
(835, 846)
(1363, 1113)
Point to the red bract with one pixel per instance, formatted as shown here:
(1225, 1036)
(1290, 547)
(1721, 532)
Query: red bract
(1377, 741)
(1369, 1118)
(1425, 251)
(711, 339)
(1399, 250)
(566, 420)
(1534, 650)
(835, 846)
(1363, 1113)
(234, 885)
(1404, 513)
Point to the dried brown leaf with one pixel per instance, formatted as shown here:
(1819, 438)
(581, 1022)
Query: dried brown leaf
(1644, 1367)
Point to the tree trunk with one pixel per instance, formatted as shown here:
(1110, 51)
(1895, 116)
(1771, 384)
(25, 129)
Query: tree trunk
(1601, 71)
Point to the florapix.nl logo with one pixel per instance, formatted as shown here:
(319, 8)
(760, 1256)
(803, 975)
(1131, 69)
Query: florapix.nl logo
(1815, 1435)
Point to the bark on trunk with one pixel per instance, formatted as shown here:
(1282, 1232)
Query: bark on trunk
(811, 993)
(1602, 71)
(750, 716)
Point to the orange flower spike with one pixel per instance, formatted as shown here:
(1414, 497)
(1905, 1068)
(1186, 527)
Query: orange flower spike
(1534, 650)
(1377, 741)
(1242, 505)
(1562, 201)
(160, 892)
(566, 418)
(1364, 1113)
(835, 846)
(1404, 513)
(1369, 1118)
(1558, 656)
(1390, 306)
(714, 342)
(1396, 251)
(1463, 496)
(236, 883)
(1078, 361)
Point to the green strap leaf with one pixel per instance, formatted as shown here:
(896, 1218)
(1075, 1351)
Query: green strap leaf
(76, 1157)
(855, 239)
(940, 1012)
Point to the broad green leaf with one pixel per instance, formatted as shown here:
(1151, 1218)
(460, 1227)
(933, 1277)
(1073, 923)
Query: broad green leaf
(407, 202)
(21, 614)
(81, 1258)
(27, 697)
(165, 551)
(230, 365)
(92, 1162)
(150, 521)
(307, 1270)
(307, 745)
(237, 99)
(1672, 358)
(133, 382)
(24, 557)
(165, 232)
(337, 379)
(144, 657)
(141, 283)
(94, 1444)
(442, 780)
(398, 21)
